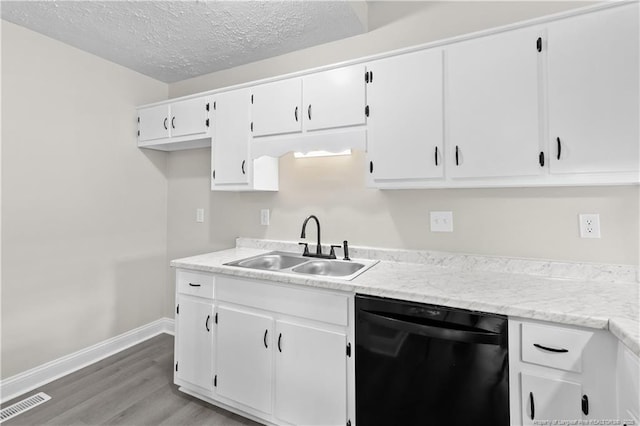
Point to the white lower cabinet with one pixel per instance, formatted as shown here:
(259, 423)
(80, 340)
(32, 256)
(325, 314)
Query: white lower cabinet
(244, 355)
(545, 399)
(628, 378)
(561, 374)
(310, 375)
(277, 354)
(194, 323)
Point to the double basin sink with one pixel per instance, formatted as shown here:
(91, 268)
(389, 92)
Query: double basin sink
(294, 263)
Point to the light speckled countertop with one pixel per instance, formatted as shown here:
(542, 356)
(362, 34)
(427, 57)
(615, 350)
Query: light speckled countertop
(596, 296)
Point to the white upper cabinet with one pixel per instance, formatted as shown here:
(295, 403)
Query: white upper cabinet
(405, 126)
(334, 98)
(492, 106)
(190, 117)
(176, 125)
(232, 168)
(593, 92)
(231, 138)
(153, 123)
(276, 108)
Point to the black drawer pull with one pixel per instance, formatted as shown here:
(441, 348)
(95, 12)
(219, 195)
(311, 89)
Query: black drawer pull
(436, 155)
(206, 323)
(309, 112)
(548, 349)
(457, 158)
(194, 285)
(279, 341)
(165, 123)
(173, 119)
(242, 167)
(264, 339)
(370, 166)
(533, 407)
(541, 159)
(295, 114)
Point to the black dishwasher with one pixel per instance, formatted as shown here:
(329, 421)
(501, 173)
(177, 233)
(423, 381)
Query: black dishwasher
(419, 364)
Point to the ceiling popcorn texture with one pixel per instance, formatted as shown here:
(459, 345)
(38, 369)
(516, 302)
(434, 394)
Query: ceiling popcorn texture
(176, 40)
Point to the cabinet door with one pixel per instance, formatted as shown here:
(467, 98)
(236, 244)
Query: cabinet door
(276, 107)
(593, 92)
(334, 98)
(492, 103)
(311, 375)
(154, 123)
(405, 126)
(189, 117)
(545, 399)
(231, 138)
(194, 342)
(244, 357)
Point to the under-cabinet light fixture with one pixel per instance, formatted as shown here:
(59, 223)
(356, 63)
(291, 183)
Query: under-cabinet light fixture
(312, 154)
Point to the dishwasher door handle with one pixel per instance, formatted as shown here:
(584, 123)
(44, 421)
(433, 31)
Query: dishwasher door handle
(465, 336)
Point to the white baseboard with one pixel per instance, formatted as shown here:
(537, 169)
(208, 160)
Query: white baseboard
(26, 381)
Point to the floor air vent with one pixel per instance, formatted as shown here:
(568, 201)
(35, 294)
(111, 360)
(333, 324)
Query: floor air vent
(22, 406)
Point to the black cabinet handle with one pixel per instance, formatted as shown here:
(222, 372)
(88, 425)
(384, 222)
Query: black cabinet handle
(279, 340)
(309, 111)
(206, 323)
(541, 159)
(165, 123)
(559, 148)
(457, 157)
(435, 155)
(370, 76)
(173, 119)
(194, 285)
(533, 407)
(213, 174)
(548, 349)
(264, 339)
(585, 405)
(242, 167)
(370, 166)
(295, 114)
(539, 44)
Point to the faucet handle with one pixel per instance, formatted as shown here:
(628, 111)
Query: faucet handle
(332, 253)
(306, 248)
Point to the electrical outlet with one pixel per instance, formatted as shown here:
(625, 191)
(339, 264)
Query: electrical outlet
(441, 221)
(590, 225)
(264, 217)
(199, 215)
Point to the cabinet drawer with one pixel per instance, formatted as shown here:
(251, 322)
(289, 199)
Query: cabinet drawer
(195, 283)
(555, 347)
(304, 303)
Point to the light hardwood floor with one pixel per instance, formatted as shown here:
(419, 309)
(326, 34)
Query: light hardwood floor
(132, 387)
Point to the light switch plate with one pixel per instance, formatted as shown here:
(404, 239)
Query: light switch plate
(264, 217)
(199, 215)
(441, 221)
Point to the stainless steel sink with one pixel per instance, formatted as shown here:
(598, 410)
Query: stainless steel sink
(271, 261)
(297, 264)
(332, 268)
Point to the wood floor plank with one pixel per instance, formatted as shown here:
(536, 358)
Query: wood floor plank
(133, 387)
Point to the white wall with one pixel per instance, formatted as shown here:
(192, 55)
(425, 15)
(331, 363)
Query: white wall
(529, 222)
(83, 209)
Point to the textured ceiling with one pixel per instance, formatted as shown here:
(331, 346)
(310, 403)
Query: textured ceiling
(175, 40)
